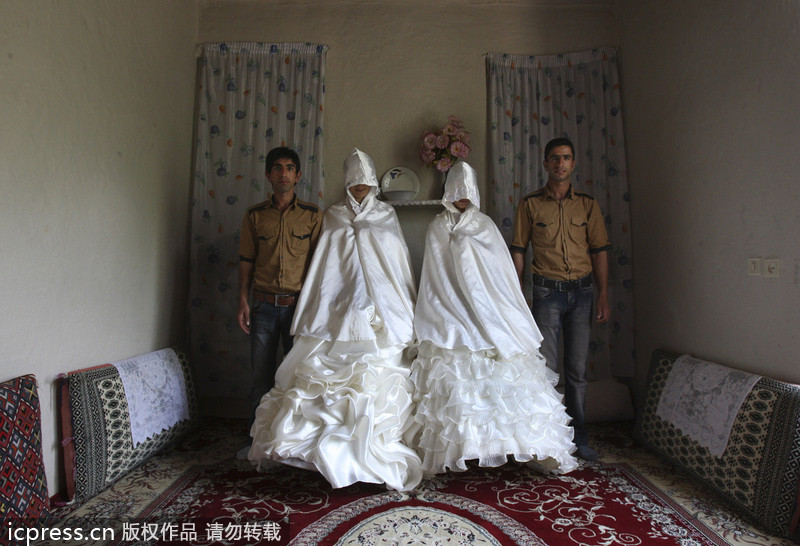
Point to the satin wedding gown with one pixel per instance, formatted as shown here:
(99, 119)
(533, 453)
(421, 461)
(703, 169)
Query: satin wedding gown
(341, 402)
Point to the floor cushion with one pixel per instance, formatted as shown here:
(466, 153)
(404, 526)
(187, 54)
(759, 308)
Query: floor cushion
(23, 484)
(96, 425)
(758, 472)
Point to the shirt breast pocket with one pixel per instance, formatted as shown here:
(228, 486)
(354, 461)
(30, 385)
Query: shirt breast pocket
(544, 227)
(265, 240)
(577, 227)
(300, 242)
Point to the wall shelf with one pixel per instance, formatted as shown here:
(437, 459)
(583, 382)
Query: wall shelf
(429, 203)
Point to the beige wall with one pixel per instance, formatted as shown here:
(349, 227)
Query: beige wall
(710, 92)
(95, 164)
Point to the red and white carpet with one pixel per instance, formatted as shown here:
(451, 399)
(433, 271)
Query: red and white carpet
(596, 505)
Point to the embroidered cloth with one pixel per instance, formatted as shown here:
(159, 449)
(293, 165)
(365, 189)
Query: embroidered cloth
(156, 392)
(702, 399)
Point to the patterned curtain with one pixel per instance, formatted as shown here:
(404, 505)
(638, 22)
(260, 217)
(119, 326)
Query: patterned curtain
(532, 99)
(252, 97)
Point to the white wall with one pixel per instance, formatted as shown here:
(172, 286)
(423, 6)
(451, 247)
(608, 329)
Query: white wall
(710, 97)
(95, 166)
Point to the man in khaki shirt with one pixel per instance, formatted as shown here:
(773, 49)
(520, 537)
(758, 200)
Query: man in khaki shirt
(276, 243)
(570, 245)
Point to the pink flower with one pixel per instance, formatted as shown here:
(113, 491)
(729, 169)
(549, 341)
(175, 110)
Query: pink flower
(442, 149)
(459, 149)
(429, 140)
(444, 164)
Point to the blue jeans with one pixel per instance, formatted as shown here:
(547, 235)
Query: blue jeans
(269, 324)
(570, 311)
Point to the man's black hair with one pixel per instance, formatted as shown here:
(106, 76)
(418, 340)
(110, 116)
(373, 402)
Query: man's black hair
(556, 142)
(281, 153)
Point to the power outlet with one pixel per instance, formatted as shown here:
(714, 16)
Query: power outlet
(754, 266)
(772, 268)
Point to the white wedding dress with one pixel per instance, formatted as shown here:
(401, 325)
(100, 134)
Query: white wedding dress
(341, 402)
(483, 390)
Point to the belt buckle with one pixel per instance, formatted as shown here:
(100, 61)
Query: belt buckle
(568, 286)
(277, 298)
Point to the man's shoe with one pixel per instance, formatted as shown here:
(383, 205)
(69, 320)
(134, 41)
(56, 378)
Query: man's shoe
(586, 453)
(242, 453)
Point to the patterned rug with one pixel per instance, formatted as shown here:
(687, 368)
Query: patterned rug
(599, 504)
(181, 499)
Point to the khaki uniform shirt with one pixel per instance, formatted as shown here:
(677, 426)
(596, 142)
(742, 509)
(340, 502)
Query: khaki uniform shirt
(280, 244)
(563, 234)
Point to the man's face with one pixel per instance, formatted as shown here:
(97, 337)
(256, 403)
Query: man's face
(359, 191)
(283, 176)
(560, 163)
(461, 204)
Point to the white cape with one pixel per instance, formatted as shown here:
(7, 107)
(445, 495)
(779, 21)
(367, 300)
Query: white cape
(469, 290)
(341, 402)
(360, 283)
(483, 389)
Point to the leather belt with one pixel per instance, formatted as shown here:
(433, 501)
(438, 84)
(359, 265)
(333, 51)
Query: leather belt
(563, 286)
(278, 300)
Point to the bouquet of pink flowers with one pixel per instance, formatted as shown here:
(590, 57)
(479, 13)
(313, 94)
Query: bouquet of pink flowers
(443, 149)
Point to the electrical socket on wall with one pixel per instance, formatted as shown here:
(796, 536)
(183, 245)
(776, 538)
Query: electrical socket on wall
(754, 266)
(772, 267)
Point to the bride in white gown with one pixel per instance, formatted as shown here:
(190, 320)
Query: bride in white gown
(341, 402)
(483, 389)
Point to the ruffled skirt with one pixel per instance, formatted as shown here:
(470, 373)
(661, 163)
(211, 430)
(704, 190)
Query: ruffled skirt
(475, 405)
(341, 409)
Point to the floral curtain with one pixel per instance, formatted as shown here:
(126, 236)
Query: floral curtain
(532, 99)
(252, 97)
